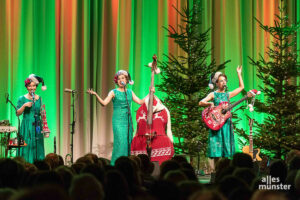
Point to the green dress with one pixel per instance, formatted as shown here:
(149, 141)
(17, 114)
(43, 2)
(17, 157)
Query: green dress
(221, 142)
(35, 147)
(120, 124)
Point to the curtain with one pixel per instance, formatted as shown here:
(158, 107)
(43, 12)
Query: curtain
(80, 44)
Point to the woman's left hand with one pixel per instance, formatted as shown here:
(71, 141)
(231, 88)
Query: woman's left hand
(239, 69)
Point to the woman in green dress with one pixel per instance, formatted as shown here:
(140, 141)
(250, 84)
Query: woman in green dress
(120, 119)
(30, 132)
(221, 142)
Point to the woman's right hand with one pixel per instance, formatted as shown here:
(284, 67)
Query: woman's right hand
(91, 91)
(212, 104)
(28, 104)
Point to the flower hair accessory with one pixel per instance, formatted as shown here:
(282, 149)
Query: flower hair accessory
(27, 81)
(125, 73)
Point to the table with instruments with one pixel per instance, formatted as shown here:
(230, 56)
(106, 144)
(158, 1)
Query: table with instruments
(6, 143)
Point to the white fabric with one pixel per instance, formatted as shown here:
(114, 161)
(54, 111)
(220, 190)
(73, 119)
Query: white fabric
(216, 76)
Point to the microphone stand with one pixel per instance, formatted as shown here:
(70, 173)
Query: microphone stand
(129, 116)
(18, 132)
(54, 144)
(36, 125)
(72, 125)
(231, 124)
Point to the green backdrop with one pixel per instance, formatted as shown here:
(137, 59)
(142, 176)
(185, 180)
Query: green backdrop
(80, 44)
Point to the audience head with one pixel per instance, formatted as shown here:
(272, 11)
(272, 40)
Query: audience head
(246, 174)
(168, 166)
(268, 195)
(95, 170)
(180, 159)
(175, 176)
(66, 174)
(297, 182)
(11, 172)
(42, 165)
(127, 167)
(291, 154)
(207, 195)
(116, 186)
(165, 190)
(147, 166)
(77, 167)
(61, 161)
(229, 183)
(86, 186)
(136, 160)
(85, 160)
(242, 160)
(48, 177)
(294, 164)
(279, 169)
(53, 160)
(45, 192)
(93, 157)
(6, 193)
(187, 188)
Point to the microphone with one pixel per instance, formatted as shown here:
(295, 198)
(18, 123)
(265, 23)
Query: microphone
(70, 90)
(122, 83)
(32, 94)
(226, 87)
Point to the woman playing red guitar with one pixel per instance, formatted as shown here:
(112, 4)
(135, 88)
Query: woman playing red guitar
(221, 142)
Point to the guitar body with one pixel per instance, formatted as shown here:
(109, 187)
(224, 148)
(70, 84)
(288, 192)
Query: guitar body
(214, 118)
(254, 155)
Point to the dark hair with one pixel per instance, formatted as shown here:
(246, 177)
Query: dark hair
(221, 76)
(242, 160)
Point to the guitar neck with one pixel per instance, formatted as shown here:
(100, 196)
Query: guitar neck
(150, 104)
(250, 142)
(236, 103)
(250, 136)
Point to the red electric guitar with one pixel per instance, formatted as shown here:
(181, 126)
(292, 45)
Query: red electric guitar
(216, 117)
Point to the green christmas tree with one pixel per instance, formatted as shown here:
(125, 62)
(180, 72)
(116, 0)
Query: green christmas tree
(279, 132)
(185, 80)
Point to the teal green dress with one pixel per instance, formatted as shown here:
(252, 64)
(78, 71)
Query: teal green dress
(35, 147)
(120, 124)
(221, 142)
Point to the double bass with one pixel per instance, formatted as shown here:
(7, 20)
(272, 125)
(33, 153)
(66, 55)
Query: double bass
(153, 119)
